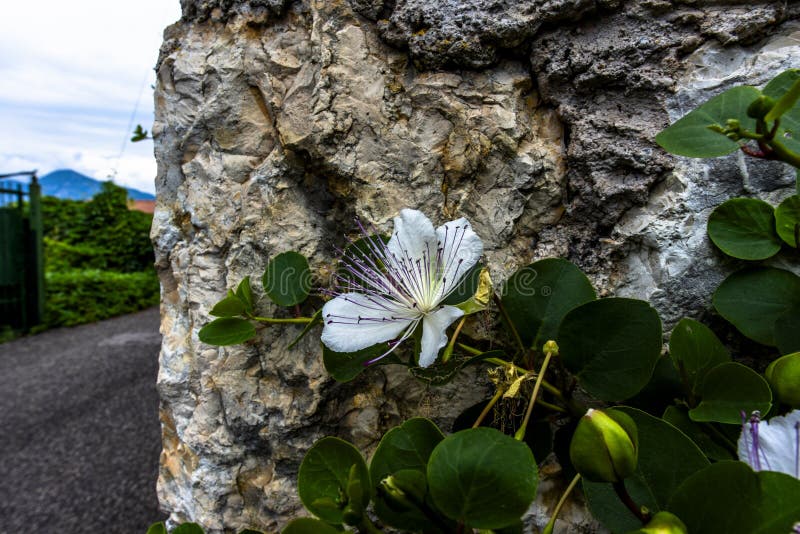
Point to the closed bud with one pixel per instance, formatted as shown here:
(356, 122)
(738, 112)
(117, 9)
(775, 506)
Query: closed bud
(605, 446)
(759, 108)
(733, 124)
(663, 523)
(783, 376)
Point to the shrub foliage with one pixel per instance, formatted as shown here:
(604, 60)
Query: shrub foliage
(98, 258)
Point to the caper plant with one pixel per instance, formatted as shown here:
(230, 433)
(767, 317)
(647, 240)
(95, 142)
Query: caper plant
(687, 440)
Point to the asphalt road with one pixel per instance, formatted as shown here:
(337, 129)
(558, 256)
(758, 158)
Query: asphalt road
(79, 430)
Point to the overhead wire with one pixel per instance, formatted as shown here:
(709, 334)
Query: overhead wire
(128, 131)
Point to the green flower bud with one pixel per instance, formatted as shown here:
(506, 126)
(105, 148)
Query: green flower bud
(551, 347)
(605, 446)
(733, 124)
(759, 108)
(663, 523)
(783, 376)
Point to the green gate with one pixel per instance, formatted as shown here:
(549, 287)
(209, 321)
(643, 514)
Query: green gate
(21, 259)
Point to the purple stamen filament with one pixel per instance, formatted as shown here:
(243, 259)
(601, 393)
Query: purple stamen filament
(797, 449)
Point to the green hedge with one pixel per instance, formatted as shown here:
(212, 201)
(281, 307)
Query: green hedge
(84, 296)
(99, 234)
(61, 256)
(98, 259)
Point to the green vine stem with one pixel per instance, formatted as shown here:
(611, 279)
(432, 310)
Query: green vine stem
(777, 150)
(448, 351)
(784, 154)
(471, 350)
(274, 320)
(548, 529)
(550, 350)
(551, 406)
(498, 394)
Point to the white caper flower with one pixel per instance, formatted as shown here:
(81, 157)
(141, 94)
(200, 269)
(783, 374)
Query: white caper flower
(389, 291)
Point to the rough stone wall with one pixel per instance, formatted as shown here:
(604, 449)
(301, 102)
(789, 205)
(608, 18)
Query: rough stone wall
(278, 121)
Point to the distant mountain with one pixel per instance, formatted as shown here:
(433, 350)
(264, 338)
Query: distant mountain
(66, 183)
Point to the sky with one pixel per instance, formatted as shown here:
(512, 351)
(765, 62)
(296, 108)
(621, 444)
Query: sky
(71, 76)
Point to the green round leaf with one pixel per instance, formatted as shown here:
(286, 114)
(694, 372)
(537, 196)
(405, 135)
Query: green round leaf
(753, 299)
(666, 458)
(679, 418)
(227, 331)
(245, 294)
(287, 280)
(787, 331)
(664, 386)
(188, 528)
(307, 525)
(744, 228)
(789, 131)
(157, 528)
(787, 221)
(322, 481)
(230, 306)
(788, 99)
(690, 135)
(482, 477)
(406, 447)
(538, 435)
(537, 298)
(729, 497)
(612, 345)
(345, 366)
(696, 350)
(728, 390)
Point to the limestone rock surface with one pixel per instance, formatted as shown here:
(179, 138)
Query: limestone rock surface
(279, 121)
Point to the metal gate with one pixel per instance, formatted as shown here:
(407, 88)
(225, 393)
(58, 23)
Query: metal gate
(21, 259)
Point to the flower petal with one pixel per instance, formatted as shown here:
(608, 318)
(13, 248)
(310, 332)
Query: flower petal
(354, 322)
(778, 442)
(434, 337)
(462, 248)
(413, 237)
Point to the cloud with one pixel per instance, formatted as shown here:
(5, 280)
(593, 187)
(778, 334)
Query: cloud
(90, 141)
(70, 87)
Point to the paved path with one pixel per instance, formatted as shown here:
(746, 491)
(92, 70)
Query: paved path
(79, 431)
